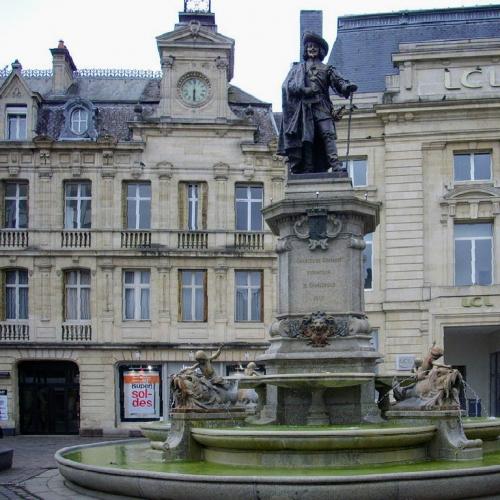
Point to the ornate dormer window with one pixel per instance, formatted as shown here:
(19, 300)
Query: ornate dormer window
(79, 121)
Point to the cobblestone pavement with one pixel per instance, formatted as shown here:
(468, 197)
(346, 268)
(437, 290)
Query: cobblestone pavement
(34, 474)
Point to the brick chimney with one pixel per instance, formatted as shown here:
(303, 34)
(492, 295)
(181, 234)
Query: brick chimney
(62, 68)
(310, 20)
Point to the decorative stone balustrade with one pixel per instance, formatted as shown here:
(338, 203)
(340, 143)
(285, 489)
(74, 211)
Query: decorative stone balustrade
(76, 239)
(192, 239)
(77, 332)
(14, 332)
(13, 238)
(135, 239)
(249, 241)
(113, 239)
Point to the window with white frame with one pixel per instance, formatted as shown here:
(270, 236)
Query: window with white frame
(77, 295)
(193, 297)
(248, 305)
(16, 294)
(138, 205)
(77, 205)
(472, 166)
(193, 192)
(136, 294)
(16, 123)
(249, 199)
(473, 254)
(368, 261)
(79, 121)
(357, 169)
(16, 205)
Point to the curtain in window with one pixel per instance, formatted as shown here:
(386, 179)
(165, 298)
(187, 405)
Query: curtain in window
(144, 303)
(129, 303)
(23, 303)
(85, 214)
(255, 305)
(10, 304)
(85, 303)
(241, 304)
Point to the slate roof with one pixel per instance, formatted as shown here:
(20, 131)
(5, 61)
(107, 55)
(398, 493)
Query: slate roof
(364, 45)
(116, 98)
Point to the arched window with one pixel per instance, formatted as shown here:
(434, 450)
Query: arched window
(79, 121)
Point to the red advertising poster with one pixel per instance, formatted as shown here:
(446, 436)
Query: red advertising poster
(141, 394)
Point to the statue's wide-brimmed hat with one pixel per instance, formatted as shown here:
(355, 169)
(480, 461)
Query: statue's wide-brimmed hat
(309, 36)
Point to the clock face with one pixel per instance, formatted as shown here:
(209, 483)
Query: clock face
(197, 5)
(194, 91)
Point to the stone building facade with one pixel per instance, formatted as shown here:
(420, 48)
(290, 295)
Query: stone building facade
(131, 231)
(425, 143)
(130, 207)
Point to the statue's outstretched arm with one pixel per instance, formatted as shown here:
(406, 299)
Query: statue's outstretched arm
(217, 354)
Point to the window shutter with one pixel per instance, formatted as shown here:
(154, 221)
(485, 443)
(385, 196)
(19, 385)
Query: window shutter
(204, 204)
(183, 186)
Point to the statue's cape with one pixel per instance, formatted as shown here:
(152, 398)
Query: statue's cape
(297, 124)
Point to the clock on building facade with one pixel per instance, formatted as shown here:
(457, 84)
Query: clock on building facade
(194, 89)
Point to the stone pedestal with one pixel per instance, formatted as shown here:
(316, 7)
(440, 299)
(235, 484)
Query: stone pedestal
(321, 326)
(449, 442)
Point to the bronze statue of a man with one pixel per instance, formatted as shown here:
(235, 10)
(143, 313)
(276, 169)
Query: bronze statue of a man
(307, 134)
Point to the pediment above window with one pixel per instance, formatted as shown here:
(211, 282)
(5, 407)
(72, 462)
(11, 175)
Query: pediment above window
(193, 33)
(15, 88)
(471, 202)
(79, 121)
(472, 191)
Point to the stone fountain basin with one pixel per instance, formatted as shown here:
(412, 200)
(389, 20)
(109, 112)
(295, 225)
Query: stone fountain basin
(482, 428)
(306, 380)
(140, 479)
(313, 440)
(157, 433)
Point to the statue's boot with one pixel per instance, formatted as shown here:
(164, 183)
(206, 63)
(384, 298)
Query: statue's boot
(335, 164)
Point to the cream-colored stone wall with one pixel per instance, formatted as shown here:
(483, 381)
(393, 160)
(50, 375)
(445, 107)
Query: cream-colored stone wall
(409, 142)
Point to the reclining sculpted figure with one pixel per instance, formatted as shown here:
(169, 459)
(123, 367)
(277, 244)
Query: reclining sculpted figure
(200, 387)
(433, 385)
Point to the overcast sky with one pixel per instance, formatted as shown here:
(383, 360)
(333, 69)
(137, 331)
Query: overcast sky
(121, 33)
